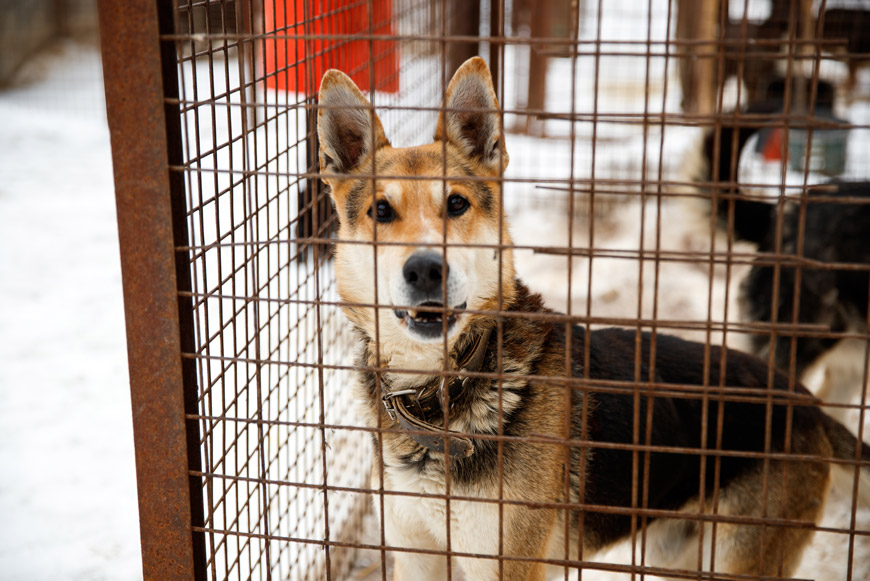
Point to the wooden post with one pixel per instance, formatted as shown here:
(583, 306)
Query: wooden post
(697, 20)
(542, 27)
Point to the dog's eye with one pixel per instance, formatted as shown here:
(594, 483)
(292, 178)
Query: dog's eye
(383, 212)
(456, 205)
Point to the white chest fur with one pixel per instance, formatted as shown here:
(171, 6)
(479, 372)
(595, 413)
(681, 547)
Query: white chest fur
(419, 518)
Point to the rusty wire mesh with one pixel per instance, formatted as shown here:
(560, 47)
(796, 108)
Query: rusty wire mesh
(621, 214)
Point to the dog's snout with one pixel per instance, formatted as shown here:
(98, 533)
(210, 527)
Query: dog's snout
(425, 272)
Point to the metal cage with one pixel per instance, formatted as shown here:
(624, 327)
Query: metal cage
(641, 135)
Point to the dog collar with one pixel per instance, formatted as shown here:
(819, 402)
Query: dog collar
(429, 402)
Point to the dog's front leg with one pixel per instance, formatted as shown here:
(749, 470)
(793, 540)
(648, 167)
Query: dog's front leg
(410, 565)
(524, 533)
(403, 528)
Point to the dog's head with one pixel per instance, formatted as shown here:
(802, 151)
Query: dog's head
(430, 215)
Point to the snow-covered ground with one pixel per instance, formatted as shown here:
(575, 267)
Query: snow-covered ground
(67, 473)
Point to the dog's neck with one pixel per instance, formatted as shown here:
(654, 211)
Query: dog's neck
(418, 364)
(510, 346)
(423, 359)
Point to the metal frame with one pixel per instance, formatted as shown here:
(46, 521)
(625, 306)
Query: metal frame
(150, 205)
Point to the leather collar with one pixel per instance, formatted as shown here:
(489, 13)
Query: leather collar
(427, 403)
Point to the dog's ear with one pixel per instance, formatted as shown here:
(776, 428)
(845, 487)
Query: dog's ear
(348, 128)
(470, 118)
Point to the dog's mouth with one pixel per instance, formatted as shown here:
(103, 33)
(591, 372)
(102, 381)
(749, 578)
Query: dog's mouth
(427, 319)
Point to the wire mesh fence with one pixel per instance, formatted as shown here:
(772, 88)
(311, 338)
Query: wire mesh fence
(676, 168)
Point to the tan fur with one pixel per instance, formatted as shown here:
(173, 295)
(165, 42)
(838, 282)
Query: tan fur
(503, 520)
(795, 493)
(419, 201)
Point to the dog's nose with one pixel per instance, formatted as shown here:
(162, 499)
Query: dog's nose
(425, 272)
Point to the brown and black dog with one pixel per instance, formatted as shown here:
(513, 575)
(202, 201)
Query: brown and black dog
(546, 450)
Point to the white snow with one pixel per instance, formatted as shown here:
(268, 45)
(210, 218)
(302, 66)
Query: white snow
(67, 474)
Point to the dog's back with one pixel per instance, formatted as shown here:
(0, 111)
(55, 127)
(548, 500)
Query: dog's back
(700, 430)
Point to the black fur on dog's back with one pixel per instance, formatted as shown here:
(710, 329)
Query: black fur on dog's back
(674, 478)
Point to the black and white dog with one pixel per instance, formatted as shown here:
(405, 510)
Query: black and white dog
(813, 267)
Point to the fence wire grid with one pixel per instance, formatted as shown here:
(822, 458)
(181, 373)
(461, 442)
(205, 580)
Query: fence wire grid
(690, 168)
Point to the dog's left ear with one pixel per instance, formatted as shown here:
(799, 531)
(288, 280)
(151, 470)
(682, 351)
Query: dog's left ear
(470, 116)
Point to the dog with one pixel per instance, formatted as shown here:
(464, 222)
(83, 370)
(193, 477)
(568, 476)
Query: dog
(508, 439)
(833, 231)
(829, 233)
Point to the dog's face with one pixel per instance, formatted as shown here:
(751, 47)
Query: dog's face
(421, 226)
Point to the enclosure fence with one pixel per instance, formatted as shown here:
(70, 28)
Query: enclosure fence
(649, 143)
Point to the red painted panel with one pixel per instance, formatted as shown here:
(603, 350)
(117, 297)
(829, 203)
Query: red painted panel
(297, 64)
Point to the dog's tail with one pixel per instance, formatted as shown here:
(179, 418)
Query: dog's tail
(844, 445)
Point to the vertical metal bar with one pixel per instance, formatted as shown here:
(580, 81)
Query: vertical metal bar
(496, 30)
(140, 73)
(250, 192)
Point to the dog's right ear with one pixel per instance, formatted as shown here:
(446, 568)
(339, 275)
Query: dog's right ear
(348, 128)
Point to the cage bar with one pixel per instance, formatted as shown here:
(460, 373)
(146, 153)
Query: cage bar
(145, 137)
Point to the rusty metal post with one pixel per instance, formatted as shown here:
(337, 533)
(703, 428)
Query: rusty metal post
(697, 21)
(465, 21)
(140, 74)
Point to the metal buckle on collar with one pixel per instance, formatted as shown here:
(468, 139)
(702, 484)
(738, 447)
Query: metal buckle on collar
(444, 383)
(387, 400)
